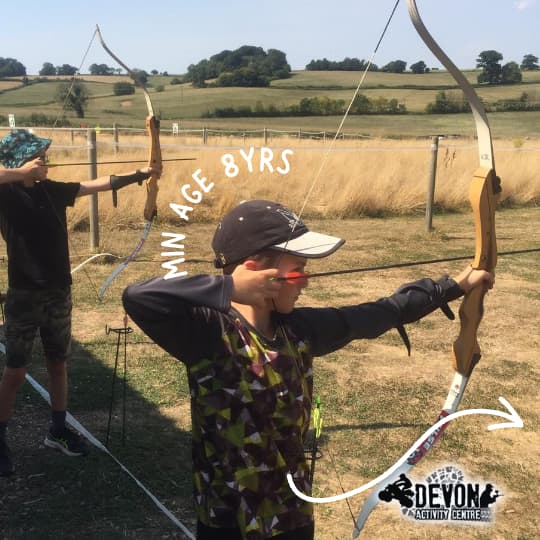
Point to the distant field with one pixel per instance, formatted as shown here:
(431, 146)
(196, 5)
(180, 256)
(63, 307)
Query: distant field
(188, 105)
(373, 78)
(503, 125)
(377, 78)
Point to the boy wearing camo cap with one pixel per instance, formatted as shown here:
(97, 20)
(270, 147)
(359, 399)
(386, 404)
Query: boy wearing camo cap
(34, 227)
(249, 356)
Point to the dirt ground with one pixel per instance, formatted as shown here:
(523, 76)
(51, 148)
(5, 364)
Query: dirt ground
(376, 403)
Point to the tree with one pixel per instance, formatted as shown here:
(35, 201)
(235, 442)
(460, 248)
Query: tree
(73, 96)
(529, 63)
(197, 74)
(318, 65)
(101, 69)
(511, 74)
(123, 88)
(224, 66)
(140, 76)
(47, 69)
(446, 104)
(242, 77)
(361, 105)
(396, 66)
(347, 64)
(522, 103)
(275, 65)
(488, 61)
(419, 67)
(245, 56)
(382, 105)
(66, 69)
(9, 67)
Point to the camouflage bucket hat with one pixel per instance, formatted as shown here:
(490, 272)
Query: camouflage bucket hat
(19, 147)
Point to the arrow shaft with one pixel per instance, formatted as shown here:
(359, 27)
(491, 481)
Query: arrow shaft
(301, 275)
(113, 162)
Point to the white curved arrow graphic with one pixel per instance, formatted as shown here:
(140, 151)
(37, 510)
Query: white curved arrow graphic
(515, 421)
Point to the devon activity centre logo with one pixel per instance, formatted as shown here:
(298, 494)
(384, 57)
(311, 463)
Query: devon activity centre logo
(446, 495)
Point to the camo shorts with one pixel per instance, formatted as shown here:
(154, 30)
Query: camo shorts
(27, 311)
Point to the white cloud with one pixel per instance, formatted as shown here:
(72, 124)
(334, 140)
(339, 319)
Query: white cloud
(522, 5)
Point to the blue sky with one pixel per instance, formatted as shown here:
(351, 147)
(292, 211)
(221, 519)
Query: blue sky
(168, 35)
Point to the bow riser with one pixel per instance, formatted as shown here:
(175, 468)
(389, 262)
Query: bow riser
(154, 160)
(484, 194)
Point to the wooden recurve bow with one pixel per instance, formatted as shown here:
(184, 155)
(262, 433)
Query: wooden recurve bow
(154, 160)
(484, 192)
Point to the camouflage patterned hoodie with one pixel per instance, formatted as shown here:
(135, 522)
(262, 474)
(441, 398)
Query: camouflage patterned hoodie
(251, 397)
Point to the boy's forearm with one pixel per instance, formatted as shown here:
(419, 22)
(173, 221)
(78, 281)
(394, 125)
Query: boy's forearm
(9, 175)
(112, 182)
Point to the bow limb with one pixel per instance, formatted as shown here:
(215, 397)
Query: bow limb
(483, 195)
(154, 160)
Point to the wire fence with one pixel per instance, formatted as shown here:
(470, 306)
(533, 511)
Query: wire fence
(195, 137)
(206, 134)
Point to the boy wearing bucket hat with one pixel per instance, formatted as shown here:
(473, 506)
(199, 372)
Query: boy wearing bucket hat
(249, 356)
(33, 225)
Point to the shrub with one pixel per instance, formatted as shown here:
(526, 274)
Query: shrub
(123, 88)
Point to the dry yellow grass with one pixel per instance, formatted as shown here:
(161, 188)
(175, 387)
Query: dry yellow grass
(377, 401)
(369, 177)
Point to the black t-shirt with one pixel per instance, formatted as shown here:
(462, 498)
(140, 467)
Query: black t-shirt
(33, 224)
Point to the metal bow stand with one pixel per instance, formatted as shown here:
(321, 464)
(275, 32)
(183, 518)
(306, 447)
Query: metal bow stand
(123, 331)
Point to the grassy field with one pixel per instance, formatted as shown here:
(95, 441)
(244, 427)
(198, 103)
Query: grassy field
(185, 104)
(376, 400)
(512, 125)
(371, 177)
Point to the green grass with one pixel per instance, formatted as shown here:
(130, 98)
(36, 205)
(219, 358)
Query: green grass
(43, 93)
(185, 104)
(350, 79)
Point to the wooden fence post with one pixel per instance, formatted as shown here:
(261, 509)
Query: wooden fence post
(115, 138)
(431, 182)
(93, 202)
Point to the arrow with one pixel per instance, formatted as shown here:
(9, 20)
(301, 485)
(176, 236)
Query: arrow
(52, 164)
(291, 276)
(515, 421)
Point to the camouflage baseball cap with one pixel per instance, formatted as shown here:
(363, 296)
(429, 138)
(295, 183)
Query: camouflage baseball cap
(21, 146)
